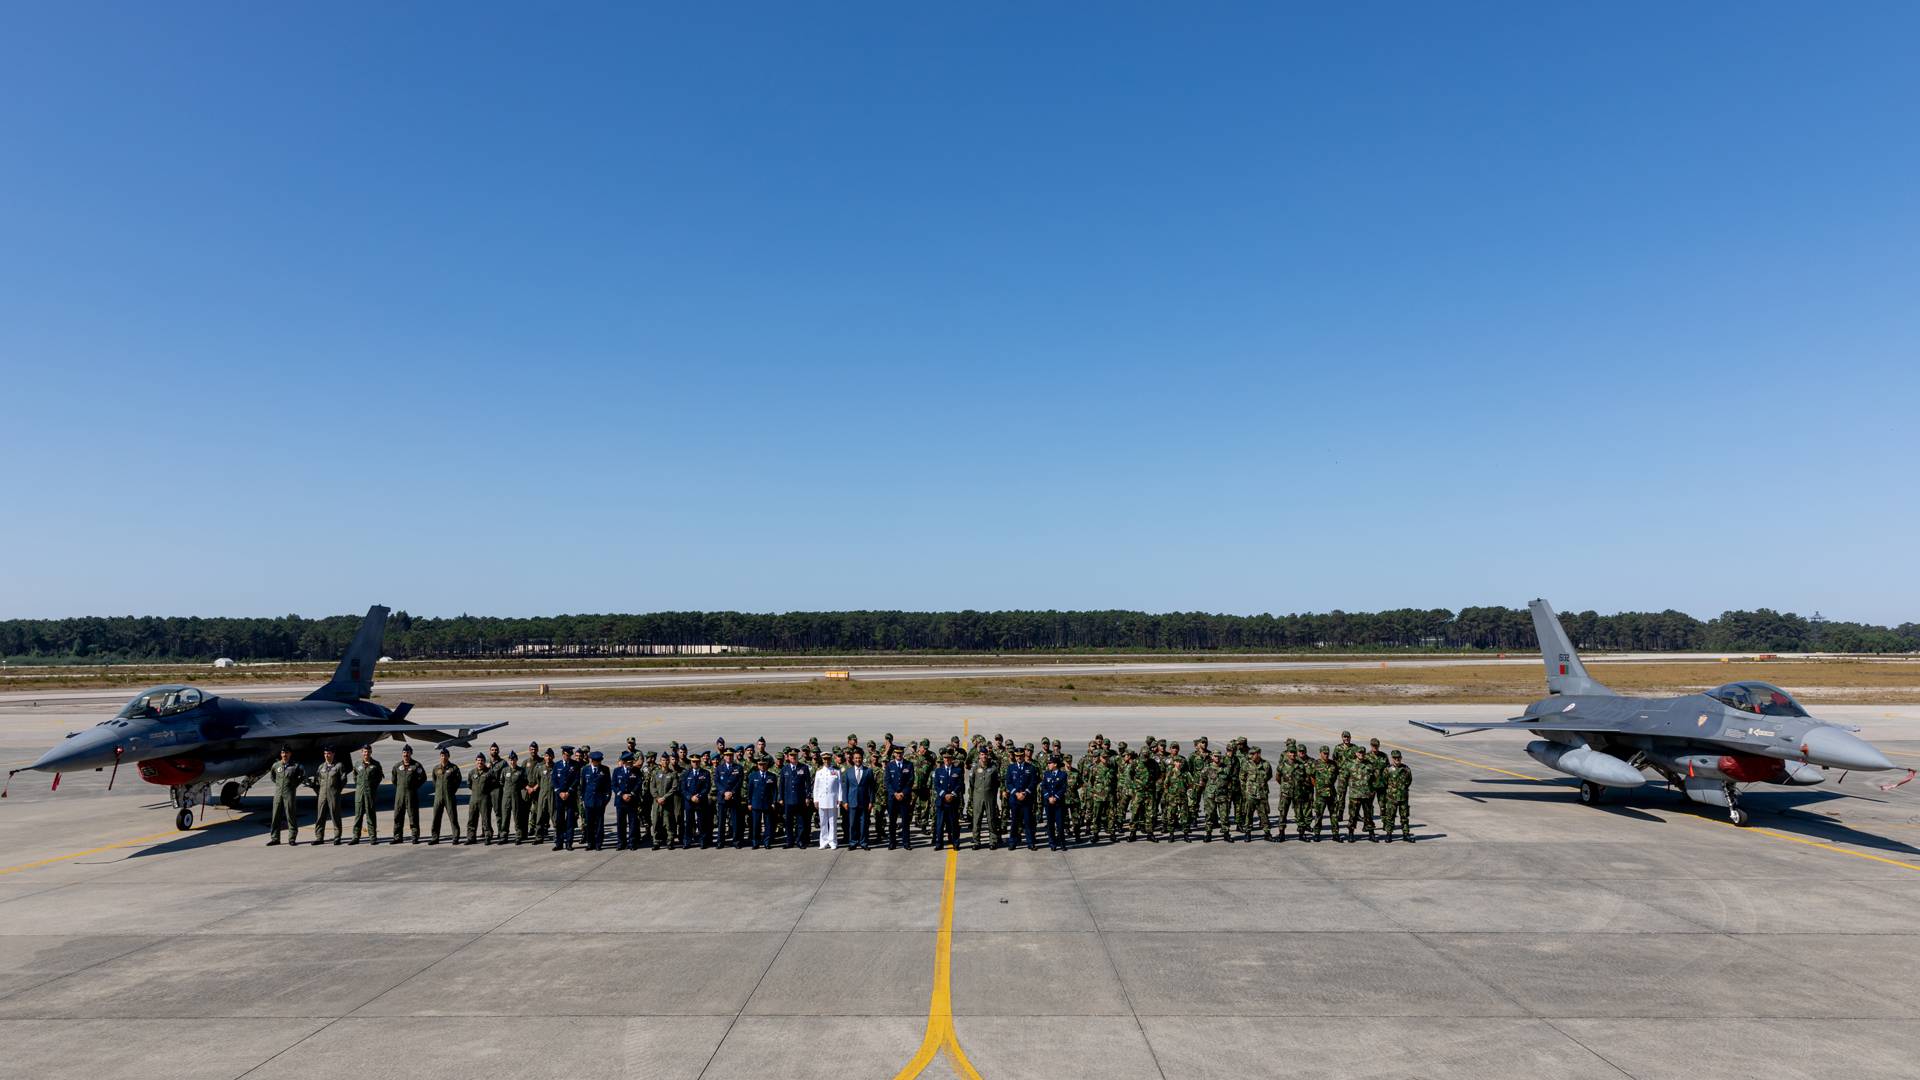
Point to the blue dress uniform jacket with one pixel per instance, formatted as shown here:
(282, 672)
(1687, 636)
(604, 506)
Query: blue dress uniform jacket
(948, 780)
(796, 787)
(727, 780)
(899, 778)
(1053, 799)
(566, 781)
(763, 800)
(596, 791)
(1022, 777)
(629, 796)
(696, 823)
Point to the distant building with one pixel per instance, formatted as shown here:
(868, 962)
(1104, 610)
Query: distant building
(625, 650)
(225, 661)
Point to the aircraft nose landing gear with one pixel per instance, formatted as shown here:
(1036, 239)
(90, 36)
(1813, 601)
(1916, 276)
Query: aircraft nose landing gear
(1735, 813)
(183, 820)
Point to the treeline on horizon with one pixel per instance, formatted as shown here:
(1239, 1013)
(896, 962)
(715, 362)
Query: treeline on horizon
(1493, 629)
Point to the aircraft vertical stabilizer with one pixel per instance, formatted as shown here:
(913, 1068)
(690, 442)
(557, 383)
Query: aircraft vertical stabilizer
(1565, 673)
(353, 679)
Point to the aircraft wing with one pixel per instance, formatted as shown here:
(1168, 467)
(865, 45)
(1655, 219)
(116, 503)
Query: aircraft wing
(1519, 723)
(451, 736)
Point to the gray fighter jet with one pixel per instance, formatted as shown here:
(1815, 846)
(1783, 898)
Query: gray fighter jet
(188, 740)
(1706, 744)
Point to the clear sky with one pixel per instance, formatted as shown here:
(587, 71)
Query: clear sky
(525, 309)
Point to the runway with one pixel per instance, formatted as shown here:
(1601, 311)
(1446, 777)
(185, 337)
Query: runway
(1523, 936)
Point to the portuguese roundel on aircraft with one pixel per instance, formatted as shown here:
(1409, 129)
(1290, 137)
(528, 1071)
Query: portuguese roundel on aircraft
(1706, 745)
(188, 741)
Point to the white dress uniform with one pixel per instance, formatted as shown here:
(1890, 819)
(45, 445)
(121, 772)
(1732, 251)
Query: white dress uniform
(826, 795)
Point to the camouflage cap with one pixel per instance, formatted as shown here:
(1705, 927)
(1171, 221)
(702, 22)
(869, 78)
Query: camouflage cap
(1325, 749)
(1395, 755)
(1375, 743)
(1346, 734)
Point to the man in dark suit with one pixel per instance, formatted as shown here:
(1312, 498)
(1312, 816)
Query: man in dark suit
(856, 798)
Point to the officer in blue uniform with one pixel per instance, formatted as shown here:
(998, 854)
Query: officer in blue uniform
(629, 795)
(763, 801)
(596, 791)
(899, 801)
(566, 798)
(728, 803)
(696, 819)
(949, 791)
(1022, 780)
(796, 788)
(1053, 797)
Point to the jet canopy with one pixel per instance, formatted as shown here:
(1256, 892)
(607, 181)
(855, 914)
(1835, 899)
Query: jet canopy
(1760, 698)
(159, 701)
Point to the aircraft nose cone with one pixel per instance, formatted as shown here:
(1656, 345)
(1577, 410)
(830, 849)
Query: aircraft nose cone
(1838, 749)
(82, 751)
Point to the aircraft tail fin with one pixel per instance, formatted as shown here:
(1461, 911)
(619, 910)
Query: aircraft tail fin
(353, 679)
(1565, 673)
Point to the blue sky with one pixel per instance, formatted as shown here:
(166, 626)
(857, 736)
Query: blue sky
(1236, 308)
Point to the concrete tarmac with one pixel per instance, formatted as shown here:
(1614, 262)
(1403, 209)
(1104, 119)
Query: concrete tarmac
(1524, 935)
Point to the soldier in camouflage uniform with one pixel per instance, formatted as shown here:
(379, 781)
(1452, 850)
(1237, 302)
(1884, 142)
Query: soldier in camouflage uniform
(1325, 793)
(1216, 796)
(923, 766)
(329, 780)
(1175, 802)
(1140, 808)
(1255, 778)
(1098, 792)
(1342, 751)
(1359, 788)
(1292, 778)
(366, 795)
(1398, 785)
(1196, 781)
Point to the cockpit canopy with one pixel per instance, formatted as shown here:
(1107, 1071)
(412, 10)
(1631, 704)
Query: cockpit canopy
(159, 701)
(1760, 698)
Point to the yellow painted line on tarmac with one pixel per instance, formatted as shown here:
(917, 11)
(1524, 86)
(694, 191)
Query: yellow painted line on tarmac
(940, 1034)
(1802, 840)
(135, 842)
(1424, 753)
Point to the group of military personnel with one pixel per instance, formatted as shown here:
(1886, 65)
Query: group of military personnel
(752, 796)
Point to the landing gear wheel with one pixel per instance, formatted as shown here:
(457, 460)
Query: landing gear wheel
(1736, 815)
(1590, 792)
(230, 795)
(183, 820)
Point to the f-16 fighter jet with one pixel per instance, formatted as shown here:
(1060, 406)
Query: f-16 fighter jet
(188, 741)
(1705, 744)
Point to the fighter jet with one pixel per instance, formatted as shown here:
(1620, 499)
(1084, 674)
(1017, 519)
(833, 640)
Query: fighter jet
(188, 740)
(1706, 744)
